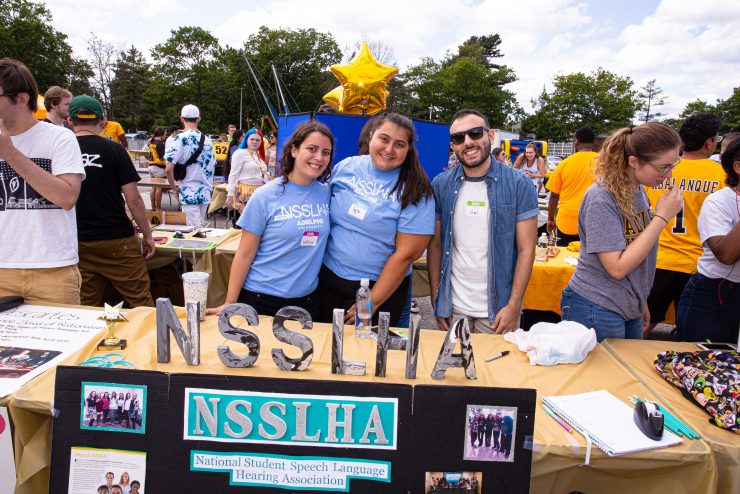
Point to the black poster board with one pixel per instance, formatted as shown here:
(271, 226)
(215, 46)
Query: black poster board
(433, 441)
(442, 438)
(71, 430)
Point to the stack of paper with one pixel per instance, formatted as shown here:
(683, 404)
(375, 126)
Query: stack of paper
(607, 421)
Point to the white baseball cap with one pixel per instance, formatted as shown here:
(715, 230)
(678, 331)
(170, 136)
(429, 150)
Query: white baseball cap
(190, 111)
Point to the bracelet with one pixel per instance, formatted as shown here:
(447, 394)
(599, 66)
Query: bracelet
(659, 216)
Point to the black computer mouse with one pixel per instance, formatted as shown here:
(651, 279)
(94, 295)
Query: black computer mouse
(649, 419)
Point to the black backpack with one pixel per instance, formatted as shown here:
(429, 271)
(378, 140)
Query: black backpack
(181, 168)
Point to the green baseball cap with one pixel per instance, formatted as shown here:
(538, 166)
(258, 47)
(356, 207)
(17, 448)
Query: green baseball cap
(90, 107)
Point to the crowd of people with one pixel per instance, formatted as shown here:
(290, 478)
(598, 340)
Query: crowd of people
(313, 233)
(111, 409)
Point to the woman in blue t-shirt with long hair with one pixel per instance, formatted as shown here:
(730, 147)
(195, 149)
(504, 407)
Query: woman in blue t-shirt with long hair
(382, 219)
(285, 227)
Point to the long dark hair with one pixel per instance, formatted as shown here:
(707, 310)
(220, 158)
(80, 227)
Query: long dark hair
(363, 142)
(413, 184)
(300, 135)
(236, 138)
(729, 158)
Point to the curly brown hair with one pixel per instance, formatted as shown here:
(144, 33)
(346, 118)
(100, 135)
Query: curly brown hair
(645, 142)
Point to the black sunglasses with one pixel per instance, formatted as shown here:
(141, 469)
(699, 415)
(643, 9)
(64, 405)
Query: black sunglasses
(475, 133)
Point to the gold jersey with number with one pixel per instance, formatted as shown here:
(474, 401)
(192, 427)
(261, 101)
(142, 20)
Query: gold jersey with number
(679, 246)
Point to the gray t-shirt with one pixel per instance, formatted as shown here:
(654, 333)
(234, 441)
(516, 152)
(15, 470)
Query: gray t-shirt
(602, 228)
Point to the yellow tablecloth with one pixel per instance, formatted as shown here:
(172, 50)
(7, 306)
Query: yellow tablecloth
(638, 357)
(557, 455)
(543, 291)
(548, 281)
(222, 259)
(218, 198)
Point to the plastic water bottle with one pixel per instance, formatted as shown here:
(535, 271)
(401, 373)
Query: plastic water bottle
(541, 250)
(364, 310)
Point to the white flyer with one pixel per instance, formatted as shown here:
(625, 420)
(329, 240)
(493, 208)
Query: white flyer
(34, 338)
(95, 470)
(7, 465)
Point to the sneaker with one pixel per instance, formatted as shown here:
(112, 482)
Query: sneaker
(414, 307)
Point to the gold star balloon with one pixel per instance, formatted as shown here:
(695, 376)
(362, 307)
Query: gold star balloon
(363, 81)
(334, 97)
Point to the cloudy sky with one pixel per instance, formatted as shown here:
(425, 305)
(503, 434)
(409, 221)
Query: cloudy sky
(692, 48)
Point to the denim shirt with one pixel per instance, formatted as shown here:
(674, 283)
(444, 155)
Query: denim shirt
(512, 198)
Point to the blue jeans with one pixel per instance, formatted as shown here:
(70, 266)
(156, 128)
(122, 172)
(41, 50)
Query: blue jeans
(606, 323)
(701, 315)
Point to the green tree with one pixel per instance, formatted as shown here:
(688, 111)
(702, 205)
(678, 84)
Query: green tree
(26, 34)
(729, 111)
(131, 81)
(102, 62)
(696, 106)
(186, 60)
(650, 96)
(302, 58)
(601, 100)
(466, 79)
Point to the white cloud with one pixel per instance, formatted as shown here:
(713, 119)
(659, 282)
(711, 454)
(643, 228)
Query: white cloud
(692, 49)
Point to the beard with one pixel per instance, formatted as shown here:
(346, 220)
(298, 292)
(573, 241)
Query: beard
(485, 155)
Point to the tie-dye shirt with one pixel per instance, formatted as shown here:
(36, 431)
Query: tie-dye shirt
(197, 186)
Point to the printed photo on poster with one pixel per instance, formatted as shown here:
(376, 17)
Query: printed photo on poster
(106, 471)
(35, 338)
(453, 481)
(113, 407)
(489, 433)
(18, 361)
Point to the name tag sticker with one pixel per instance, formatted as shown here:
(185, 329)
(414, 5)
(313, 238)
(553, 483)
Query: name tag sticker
(475, 208)
(309, 239)
(358, 209)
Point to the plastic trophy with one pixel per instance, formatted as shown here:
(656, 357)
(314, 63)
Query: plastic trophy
(112, 315)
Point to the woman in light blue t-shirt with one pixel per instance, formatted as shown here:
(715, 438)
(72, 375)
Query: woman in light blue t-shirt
(382, 219)
(285, 228)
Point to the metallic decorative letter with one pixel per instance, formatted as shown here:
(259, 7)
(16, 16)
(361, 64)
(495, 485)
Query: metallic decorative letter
(458, 330)
(339, 366)
(386, 342)
(231, 332)
(285, 335)
(167, 321)
(412, 346)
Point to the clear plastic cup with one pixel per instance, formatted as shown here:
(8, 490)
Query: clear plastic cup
(195, 287)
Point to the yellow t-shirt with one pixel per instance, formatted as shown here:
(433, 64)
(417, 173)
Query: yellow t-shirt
(112, 130)
(572, 177)
(679, 246)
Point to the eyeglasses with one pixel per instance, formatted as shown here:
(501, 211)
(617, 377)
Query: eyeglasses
(718, 138)
(475, 133)
(665, 169)
(10, 94)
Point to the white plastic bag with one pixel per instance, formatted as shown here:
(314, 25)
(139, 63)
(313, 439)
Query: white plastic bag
(566, 342)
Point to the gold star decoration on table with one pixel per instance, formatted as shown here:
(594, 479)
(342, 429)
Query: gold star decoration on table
(112, 313)
(363, 84)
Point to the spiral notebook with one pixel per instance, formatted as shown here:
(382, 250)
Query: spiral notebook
(607, 421)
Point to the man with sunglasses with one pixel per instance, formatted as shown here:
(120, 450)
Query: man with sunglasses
(679, 246)
(480, 258)
(40, 175)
